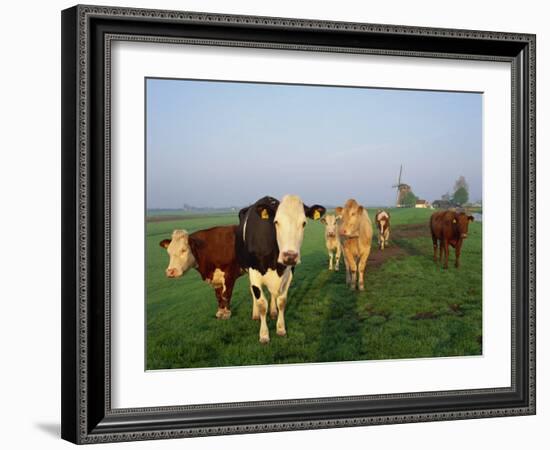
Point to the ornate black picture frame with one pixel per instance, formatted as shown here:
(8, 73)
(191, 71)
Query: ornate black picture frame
(87, 33)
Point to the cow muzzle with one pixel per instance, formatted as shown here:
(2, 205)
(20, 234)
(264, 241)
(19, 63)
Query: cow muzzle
(331, 234)
(290, 258)
(172, 273)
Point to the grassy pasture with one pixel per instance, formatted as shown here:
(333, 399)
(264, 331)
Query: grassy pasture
(411, 307)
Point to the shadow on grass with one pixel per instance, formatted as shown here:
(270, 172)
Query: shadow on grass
(341, 330)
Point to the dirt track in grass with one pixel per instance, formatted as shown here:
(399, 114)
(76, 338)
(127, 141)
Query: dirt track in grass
(396, 247)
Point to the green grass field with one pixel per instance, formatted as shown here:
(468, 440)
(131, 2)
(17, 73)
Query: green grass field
(411, 307)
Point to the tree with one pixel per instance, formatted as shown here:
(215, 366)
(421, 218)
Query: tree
(409, 199)
(461, 183)
(461, 196)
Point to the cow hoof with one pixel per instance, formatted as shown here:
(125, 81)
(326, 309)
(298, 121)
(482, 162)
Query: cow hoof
(281, 332)
(264, 339)
(361, 288)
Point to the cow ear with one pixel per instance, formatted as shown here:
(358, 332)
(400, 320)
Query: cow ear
(314, 212)
(360, 210)
(323, 221)
(267, 207)
(471, 218)
(265, 212)
(165, 243)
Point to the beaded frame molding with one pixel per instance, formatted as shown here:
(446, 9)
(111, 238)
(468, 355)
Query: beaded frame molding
(87, 34)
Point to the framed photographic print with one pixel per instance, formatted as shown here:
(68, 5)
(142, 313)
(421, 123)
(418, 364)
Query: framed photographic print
(277, 224)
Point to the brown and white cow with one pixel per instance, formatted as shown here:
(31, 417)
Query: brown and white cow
(212, 253)
(382, 220)
(332, 241)
(449, 228)
(356, 234)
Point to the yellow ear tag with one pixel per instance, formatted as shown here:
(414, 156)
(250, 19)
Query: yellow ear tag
(454, 220)
(264, 214)
(316, 215)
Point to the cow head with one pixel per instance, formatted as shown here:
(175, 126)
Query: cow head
(289, 220)
(331, 225)
(382, 219)
(179, 250)
(351, 215)
(461, 222)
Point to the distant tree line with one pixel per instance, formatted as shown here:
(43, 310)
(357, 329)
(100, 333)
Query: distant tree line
(459, 197)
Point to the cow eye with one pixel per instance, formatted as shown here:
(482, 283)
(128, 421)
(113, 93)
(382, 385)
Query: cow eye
(276, 222)
(304, 224)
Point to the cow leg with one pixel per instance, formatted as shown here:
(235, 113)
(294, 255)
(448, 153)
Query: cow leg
(227, 294)
(338, 252)
(446, 265)
(260, 302)
(221, 303)
(361, 268)
(353, 275)
(351, 268)
(348, 275)
(273, 306)
(434, 240)
(458, 249)
(330, 256)
(281, 302)
(441, 248)
(255, 310)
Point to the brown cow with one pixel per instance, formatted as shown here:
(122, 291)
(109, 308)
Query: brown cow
(356, 234)
(212, 253)
(382, 220)
(449, 227)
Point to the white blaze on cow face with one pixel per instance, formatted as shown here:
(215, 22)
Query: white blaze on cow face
(290, 221)
(181, 257)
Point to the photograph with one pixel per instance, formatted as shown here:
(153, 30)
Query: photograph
(298, 224)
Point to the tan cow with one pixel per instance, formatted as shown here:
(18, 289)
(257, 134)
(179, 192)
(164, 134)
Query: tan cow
(356, 234)
(332, 241)
(382, 220)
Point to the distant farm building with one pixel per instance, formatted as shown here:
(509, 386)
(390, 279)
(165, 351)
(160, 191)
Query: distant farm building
(442, 204)
(422, 204)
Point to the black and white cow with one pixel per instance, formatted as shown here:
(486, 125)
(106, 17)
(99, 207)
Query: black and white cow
(268, 243)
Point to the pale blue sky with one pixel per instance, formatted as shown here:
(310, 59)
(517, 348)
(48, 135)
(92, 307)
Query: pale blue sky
(216, 144)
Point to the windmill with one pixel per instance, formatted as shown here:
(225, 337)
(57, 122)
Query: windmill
(402, 188)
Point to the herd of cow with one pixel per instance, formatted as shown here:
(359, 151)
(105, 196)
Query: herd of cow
(267, 242)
